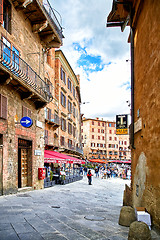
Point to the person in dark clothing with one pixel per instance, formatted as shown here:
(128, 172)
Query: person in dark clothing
(89, 175)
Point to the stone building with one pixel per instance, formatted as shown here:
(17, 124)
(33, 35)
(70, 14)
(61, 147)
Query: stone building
(28, 29)
(101, 142)
(143, 18)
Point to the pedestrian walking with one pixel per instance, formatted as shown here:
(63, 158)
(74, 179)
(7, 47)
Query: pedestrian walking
(97, 171)
(85, 171)
(89, 175)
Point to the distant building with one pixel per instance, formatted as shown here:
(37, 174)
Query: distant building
(101, 142)
(27, 30)
(143, 18)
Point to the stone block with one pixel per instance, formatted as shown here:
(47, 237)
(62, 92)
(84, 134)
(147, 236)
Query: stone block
(127, 216)
(139, 231)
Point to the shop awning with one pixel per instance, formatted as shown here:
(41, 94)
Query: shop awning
(56, 157)
(97, 160)
(119, 161)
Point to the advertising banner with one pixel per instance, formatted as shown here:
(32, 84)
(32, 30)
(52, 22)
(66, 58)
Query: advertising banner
(122, 124)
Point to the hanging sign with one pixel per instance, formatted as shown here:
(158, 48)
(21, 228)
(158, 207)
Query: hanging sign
(26, 122)
(122, 124)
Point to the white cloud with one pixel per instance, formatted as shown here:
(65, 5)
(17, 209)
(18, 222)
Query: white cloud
(85, 24)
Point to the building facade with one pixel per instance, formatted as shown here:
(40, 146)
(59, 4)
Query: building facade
(143, 18)
(27, 30)
(62, 114)
(101, 142)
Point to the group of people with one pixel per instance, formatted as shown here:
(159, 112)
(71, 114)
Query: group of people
(108, 172)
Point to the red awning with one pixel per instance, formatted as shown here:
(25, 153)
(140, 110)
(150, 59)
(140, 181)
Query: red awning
(56, 157)
(97, 160)
(119, 161)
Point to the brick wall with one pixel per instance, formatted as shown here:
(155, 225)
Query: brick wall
(146, 156)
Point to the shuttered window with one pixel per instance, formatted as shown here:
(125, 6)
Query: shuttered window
(3, 107)
(26, 112)
(1, 11)
(46, 136)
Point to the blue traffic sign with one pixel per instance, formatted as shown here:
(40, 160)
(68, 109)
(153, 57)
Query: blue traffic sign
(26, 122)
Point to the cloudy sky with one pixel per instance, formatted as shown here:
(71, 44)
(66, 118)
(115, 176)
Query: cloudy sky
(98, 54)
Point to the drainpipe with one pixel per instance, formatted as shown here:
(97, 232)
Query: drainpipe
(132, 78)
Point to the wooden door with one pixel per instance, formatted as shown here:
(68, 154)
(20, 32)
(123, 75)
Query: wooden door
(24, 167)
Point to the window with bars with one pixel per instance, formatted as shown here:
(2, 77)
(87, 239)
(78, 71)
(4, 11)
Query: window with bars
(3, 107)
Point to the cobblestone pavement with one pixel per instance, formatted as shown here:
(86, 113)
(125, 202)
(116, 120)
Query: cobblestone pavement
(75, 211)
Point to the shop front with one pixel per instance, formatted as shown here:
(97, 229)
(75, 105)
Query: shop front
(61, 168)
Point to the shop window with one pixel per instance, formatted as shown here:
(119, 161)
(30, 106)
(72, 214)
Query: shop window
(3, 107)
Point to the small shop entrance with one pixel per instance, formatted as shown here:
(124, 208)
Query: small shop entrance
(24, 163)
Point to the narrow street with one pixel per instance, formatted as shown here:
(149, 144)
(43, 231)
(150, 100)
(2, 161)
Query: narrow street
(74, 211)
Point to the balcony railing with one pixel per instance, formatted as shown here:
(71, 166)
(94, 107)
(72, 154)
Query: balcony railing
(50, 12)
(71, 147)
(17, 66)
(52, 118)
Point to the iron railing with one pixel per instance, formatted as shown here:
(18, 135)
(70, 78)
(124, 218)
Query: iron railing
(50, 12)
(54, 118)
(17, 66)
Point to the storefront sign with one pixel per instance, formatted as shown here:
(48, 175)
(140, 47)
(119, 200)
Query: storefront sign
(37, 152)
(26, 122)
(138, 125)
(122, 124)
(39, 124)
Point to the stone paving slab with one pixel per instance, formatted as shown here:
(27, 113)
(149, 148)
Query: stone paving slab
(59, 212)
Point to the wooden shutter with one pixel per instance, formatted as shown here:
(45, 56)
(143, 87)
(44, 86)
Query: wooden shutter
(24, 111)
(3, 107)
(1, 11)
(49, 113)
(46, 136)
(29, 113)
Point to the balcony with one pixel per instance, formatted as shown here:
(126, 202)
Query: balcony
(43, 20)
(51, 119)
(71, 148)
(14, 71)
